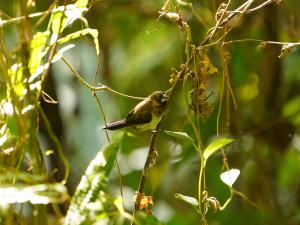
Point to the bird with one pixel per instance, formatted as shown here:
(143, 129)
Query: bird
(145, 115)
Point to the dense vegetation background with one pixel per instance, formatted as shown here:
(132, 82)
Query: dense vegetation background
(250, 93)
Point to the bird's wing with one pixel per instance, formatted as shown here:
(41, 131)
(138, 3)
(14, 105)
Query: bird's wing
(143, 116)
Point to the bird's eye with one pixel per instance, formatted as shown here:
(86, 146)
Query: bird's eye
(163, 97)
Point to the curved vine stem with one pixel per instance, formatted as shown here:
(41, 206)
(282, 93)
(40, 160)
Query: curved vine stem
(98, 88)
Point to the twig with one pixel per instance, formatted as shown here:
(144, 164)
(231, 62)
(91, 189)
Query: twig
(253, 9)
(242, 9)
(105, 122)
(97, 88)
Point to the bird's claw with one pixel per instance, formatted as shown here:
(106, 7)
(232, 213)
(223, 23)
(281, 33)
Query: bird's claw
(155, 131)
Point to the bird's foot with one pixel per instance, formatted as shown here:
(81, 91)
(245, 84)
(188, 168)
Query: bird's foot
(155, 131)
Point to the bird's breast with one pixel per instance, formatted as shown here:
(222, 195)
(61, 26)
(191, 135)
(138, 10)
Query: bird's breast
(151, 125)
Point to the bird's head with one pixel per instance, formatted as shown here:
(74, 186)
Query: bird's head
(159, 99)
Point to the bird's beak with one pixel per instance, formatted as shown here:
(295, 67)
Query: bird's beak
(164, 98)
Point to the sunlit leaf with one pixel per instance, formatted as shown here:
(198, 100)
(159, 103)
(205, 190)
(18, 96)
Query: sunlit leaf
(6, 108)
(36, 194)
(19, 89)
(27, 109)
(49, 152)
(16, 75)
(45, 66)
(62, 16)
(60, 52)
(214, 146)
(57, 22)
(8, 151)
(188, 199)
(230, 176)
(20, 176)
(119, 204)
(36, 85)
(3, 139)
(90, 197)
(92, 32)
(91, 183)
(3, 129)
(37, 45)
(81, 3)
(37, 73)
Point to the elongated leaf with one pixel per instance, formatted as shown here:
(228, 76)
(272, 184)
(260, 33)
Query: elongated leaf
(179, 135)
(119, 204)
(214, 146)
(37, 45)
(20, 176)
(111, 151)
(62, 16)
(36, 194)
(45, 66)
(3, 139)
(188, 199)
(57, 22)
(90, 198)
(92, 32)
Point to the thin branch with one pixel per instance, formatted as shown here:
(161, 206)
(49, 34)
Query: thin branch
(98, 88)
(293, 44)
(253, 9)
(105, 122)
(242, 9)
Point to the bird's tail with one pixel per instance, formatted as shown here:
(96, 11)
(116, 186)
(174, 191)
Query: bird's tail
(116, 125)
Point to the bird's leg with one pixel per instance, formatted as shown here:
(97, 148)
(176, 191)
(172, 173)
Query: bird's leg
(156, 130)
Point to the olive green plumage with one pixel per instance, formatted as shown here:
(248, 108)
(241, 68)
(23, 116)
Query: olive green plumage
(145, 115)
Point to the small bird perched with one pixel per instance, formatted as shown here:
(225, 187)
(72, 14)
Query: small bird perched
(145, 115)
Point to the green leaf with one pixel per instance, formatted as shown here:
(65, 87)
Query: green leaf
(111, 150)
(60, 52)
(37, 46)
(214, 146)
(179, 135)
(119, 204)
(19, 176)
(62, 16)
(36, 194)
(90, 197)
(92, 32)
(17, 78)
(57, 22)
(188, 199)
(81, 3)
